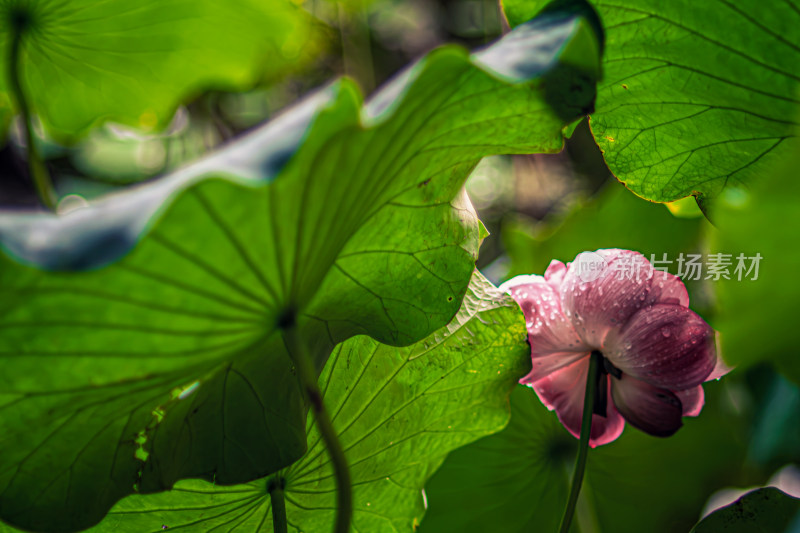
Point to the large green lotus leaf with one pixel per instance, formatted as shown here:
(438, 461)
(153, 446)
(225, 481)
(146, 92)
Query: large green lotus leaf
(342, 220)
(766, 510)
(697, 95)
(518, 480)
(134, 62)
(398, 412)
(757, 316)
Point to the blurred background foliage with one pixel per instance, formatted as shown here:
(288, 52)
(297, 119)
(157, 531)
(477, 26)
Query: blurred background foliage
(369, 40)
(537, 208)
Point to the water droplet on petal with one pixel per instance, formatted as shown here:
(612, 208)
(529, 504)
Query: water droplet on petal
(666, 332)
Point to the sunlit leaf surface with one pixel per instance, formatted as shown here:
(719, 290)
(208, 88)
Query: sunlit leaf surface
(696, 96)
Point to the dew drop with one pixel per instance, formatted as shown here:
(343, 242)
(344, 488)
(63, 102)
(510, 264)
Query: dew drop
(665, 332)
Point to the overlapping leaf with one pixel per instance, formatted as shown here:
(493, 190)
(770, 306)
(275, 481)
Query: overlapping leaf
(398, 412)
(85, 60)
(697, 95)
(141, 338)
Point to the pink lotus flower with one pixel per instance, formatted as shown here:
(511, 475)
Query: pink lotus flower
(656, 351)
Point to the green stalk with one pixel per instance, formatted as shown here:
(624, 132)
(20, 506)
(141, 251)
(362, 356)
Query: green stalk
(595, 366)
(308, 379)
(275, 488)
(36, 167)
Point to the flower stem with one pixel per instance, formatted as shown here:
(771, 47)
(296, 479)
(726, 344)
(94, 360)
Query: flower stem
(36, 167)
(308, 378)
(275, 488)
(595, 365)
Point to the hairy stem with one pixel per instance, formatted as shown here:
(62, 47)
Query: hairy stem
(308, 379)
(36, 167)
(275, 488)
(595, 365)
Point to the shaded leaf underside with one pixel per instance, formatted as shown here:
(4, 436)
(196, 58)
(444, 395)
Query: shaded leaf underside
(636, 483)
(759, 511)
(398, 411)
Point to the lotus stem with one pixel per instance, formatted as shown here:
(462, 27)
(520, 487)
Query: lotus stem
(36, 167)
(308, 378)
(275, 489)
(595, 366)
